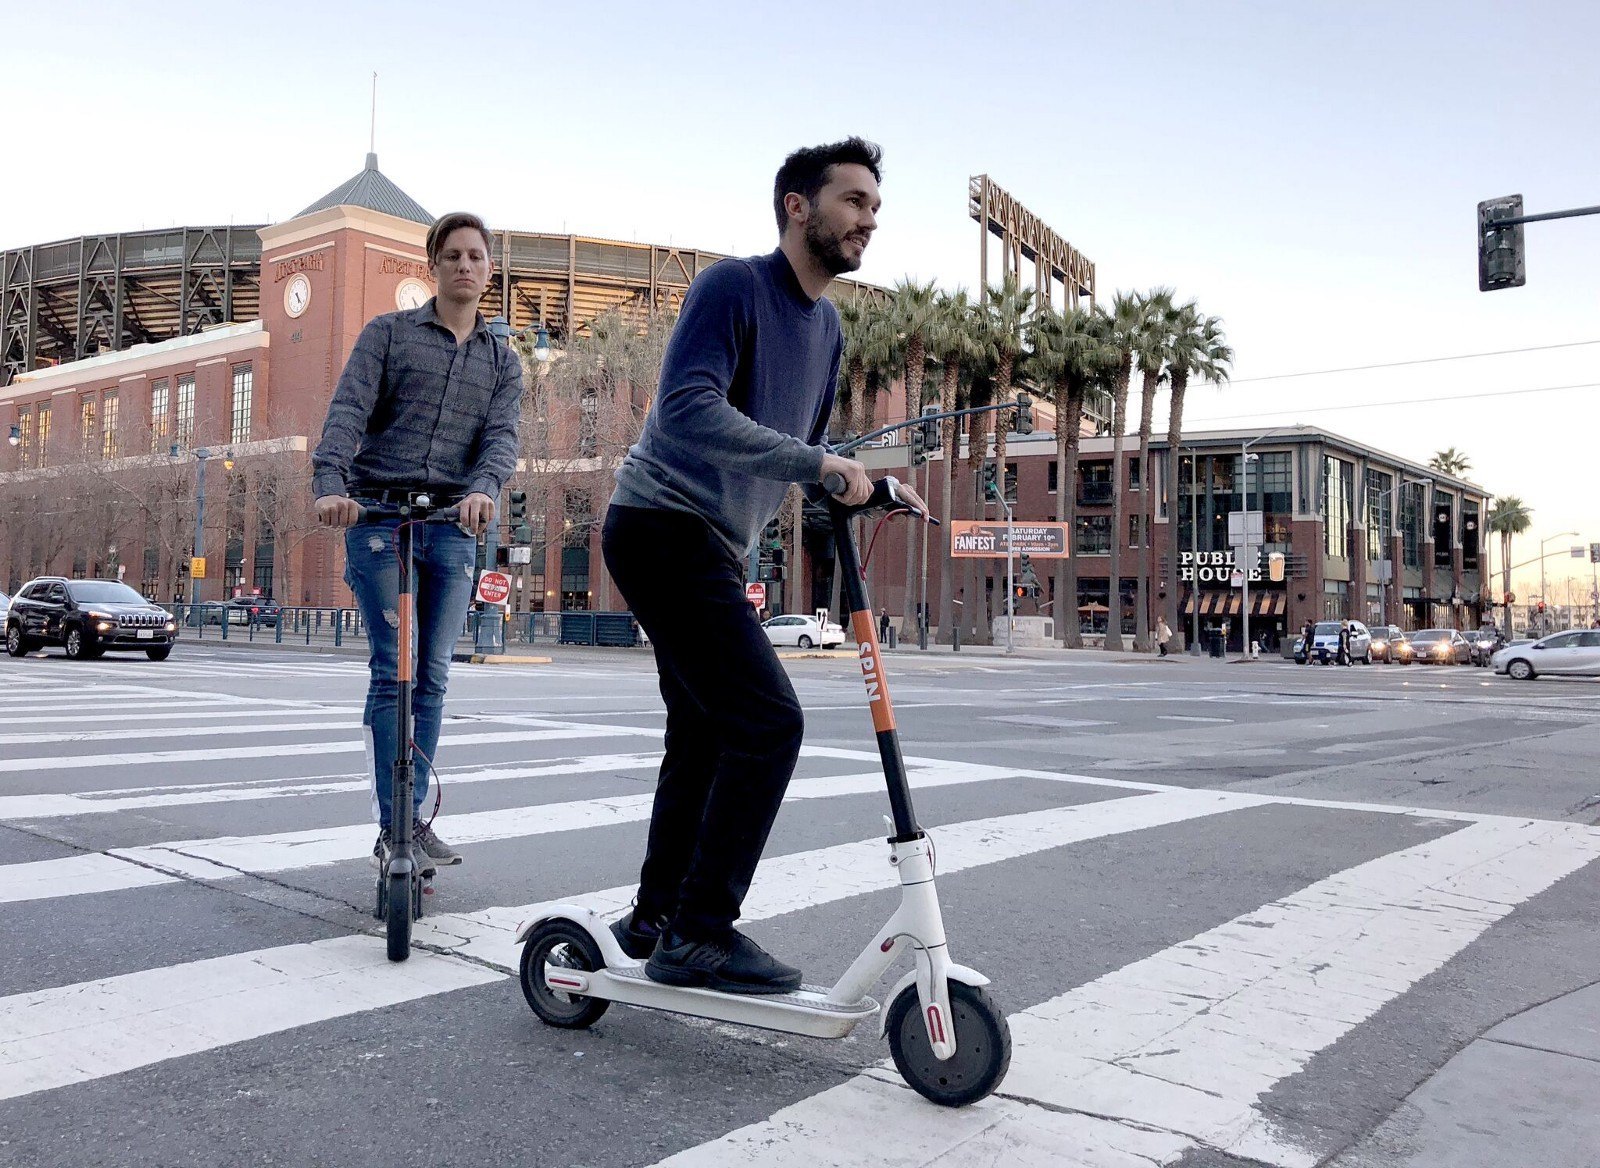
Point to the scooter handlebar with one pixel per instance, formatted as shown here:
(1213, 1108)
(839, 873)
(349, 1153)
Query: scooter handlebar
(884, 494)
(372, 511)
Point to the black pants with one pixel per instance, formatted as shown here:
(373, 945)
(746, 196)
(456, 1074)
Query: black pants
(734, 725)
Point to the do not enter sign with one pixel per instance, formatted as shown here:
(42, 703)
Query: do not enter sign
(756, 593)
(494, 587)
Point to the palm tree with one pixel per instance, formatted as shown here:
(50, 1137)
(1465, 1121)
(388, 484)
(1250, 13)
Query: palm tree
(912, 311)
(1199, 351)
(952, 343)
(1124, 320)
(1510, 516)
(1450, 461)
(1006, 311)
(1152, 349)
(1068, 351)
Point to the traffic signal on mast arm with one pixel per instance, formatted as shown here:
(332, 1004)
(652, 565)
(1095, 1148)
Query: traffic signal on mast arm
(931, 438)
(991, 480)
(919, 449)
(1500, 249)
(1024, 414)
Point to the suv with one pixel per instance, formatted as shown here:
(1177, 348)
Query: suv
(1325, 642)
(250, 610)
(87, 618)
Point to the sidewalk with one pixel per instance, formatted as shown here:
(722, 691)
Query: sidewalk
(1520, 1094)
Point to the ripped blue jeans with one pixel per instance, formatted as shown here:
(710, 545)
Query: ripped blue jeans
(441, 582)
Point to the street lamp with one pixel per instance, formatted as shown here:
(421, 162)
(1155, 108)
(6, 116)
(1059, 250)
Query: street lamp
(500, 329)
(15, 437)
(1543, 599)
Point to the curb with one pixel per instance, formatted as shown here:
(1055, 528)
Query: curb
(498, 659)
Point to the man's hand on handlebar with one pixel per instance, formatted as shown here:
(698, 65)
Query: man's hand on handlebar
(337, 511)
(911, 500)
(857, 486)
(477, 512)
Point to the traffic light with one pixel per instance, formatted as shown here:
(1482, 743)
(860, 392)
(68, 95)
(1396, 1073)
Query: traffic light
(929, 429)
(919, 451)
(521, 532)
(991, 480)
(772, 571)
(1541, 606)
(1028, 581)
(1500, 249)
(1024, 414)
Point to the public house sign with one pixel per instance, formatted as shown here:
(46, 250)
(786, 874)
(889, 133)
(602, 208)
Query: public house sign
(1213, 568)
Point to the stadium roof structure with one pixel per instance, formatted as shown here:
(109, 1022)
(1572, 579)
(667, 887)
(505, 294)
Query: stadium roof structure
(375, 191)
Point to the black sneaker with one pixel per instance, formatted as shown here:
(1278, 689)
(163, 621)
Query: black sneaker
(732, 964)
(636, 935)
(381, 849)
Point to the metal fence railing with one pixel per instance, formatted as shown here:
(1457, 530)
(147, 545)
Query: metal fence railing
(489, 629)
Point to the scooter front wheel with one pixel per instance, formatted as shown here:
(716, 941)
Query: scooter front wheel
(399, 914)
(568, 945)
(983, 1046)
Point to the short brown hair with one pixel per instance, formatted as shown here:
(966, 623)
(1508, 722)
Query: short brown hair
(445, 224)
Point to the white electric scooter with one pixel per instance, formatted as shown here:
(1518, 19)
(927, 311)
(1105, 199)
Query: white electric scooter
(949, 1038)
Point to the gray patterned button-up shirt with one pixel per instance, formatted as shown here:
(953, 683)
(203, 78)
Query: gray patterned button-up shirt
(413, 408)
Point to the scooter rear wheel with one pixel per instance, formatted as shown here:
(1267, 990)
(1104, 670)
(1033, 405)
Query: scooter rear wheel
(983, 1046)
(566, 944)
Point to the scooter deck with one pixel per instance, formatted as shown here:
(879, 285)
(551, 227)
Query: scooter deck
(804, 1011)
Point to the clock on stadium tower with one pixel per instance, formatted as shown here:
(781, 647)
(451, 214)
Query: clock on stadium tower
(297, 295)
(411, 294)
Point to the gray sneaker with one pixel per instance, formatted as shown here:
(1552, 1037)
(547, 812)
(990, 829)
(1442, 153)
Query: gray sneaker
(435, 848)
(380, 855)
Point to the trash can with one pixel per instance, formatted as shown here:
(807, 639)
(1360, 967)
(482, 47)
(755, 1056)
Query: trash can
(1217, 647)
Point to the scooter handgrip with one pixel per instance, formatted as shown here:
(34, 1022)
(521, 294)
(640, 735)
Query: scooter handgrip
(833, 483)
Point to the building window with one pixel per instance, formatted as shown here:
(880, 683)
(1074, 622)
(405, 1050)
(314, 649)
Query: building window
(87, 434)
(185, 428)
(1378, 514)
(1133, 530)
(575, 552)
(1094, 483)
(1335, 598)
(25, 447)
(160, 423)
(1093, 535)
(1411, 524)
(44, 431)
(1052, 477)
(1011, 483)
(1133, 472)
(1337, 505)
(262, 563)
(108, 424)
(243, 391)
(588, 424)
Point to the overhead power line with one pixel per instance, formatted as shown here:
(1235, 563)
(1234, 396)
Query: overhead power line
(1415, 401)
(1418, 361)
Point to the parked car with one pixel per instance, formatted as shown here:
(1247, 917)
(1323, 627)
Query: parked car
(5, 607)
(803, 632)
(1325, 642)
(252, 610)
(1573, 653)
(1384, 640)
(1440, 647)
(87, 618)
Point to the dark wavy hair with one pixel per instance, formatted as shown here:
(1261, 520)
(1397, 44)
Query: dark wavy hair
(806, 172)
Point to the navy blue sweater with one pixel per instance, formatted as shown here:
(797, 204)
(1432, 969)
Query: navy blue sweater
(745, 393)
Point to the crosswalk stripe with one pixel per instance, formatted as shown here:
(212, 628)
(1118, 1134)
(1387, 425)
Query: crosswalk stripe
(54, 1038)
(69, 1034)
(149, 712)
(242, 727)
(1182, 1044)
(152, 757)
(225, 857)
(53, 806)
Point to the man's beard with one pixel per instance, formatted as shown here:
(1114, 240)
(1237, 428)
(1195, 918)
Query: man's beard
(828, 250)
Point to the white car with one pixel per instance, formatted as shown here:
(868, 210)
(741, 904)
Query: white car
(1574, 653)
(1325, 641)
(803, 632)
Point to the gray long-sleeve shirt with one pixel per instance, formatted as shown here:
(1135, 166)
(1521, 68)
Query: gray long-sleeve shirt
(414, 408)
(746, 390)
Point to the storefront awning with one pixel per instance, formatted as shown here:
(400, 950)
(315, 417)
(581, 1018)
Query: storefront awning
(1220, 603)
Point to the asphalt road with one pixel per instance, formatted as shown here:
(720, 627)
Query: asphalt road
(1236, 913)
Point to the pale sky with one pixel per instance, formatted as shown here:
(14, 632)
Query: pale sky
(1308, 173)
